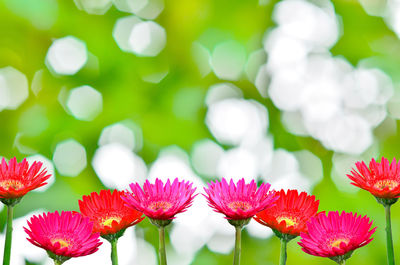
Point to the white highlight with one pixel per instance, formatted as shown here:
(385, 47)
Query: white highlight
(70, 158)
(66, 56)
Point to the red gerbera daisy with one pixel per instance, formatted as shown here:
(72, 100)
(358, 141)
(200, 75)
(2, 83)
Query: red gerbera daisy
(239, 201)
(108, 212)
(158, 201)
(290, 214)
(336, 236)
(381, 179)
(17, 179)
(64, 235)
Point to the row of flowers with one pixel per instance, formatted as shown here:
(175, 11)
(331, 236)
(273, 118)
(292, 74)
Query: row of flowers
(109, 213)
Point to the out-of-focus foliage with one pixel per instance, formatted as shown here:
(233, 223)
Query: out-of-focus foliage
(111, 92)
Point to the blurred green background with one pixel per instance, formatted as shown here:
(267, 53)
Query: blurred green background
(291, 92)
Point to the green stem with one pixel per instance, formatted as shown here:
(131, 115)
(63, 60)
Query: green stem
(283, 257)
(114, 255)
(238, 243)
(57, 262)
(7, 245)
(161, 245)
(389, 240)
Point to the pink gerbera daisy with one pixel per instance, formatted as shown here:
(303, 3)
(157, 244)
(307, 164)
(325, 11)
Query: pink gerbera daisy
(336, 236)
(161, 203)
(63, 236)
(239, 201)
(158, 201)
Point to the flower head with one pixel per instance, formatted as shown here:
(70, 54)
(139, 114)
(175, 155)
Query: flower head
(108, 212)
(381, 179)
(17, 179)
(336, 236)
(158, 201)
(290, 213)
(239, 201)
(64, 235)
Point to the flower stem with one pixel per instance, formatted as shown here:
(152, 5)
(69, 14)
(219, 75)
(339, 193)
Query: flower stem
(238, 243)
(114, 255)
(282, 260)
(389, 240)
(7, 245)
(57, 262)
(161, 246)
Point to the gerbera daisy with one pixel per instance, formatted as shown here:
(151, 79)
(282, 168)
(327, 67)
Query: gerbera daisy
(288, 217)
(161, 203)
(63, 236)
(16, 180)
(239, 203)
(336, 236)
(383, 181)
(290, 213)
(109, 215)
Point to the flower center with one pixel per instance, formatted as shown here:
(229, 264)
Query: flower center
(244, 206)
(386, 183)
(155, 206)
(63, 243)
(11, 183)
(109, 220)
(289, 221)
(336, 243)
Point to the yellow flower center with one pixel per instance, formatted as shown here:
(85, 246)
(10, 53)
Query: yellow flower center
(109, 220)
(63, 243)
(160, 205)
(239, 205)
(11, 183)
(336, 243)
(289, 221)
(386, 183)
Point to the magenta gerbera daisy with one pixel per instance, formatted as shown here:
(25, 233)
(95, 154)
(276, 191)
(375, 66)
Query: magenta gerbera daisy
(158, 201)
(63, 236)
(161, 203)
(336, 235)
(239, 203)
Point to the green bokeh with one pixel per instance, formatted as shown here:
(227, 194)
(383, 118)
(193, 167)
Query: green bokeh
(172, 112)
